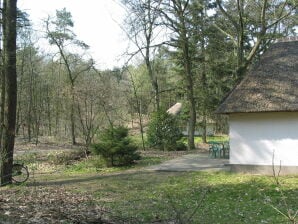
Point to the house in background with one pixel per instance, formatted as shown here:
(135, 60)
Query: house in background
(210, 127)
(175, 109)
(263, 113)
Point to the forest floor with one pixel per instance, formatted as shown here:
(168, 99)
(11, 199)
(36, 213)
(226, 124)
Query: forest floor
(44, 145)
(45, 197)
(64, 189)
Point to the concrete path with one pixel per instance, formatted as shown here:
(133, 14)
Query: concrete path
(192, 162)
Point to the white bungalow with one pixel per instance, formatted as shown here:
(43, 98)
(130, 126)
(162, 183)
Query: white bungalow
(263, 114)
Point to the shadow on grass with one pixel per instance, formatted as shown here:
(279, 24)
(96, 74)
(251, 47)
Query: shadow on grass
(65, 180)
(174, 196)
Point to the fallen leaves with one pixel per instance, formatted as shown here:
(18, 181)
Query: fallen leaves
(48, 205)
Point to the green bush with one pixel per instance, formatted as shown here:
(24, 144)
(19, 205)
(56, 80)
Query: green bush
(116, 148)
(90, 164)
(181, 146)
(163, 131)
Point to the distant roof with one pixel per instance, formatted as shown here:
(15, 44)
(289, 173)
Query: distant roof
(271, 86)
(175, 109)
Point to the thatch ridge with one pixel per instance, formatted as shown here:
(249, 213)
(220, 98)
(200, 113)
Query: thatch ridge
(272, 85)
(175, 109)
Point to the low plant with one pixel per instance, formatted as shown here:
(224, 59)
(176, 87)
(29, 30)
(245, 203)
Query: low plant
(90, 164)
(181, 146)
(283, 207)
(116, 148)
(64, 158)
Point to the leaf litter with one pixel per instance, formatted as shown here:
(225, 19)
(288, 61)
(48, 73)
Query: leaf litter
(47, 205)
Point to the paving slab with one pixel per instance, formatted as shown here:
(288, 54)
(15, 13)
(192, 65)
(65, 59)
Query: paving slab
(193, 162)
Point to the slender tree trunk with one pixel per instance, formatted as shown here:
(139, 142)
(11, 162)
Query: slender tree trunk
(139, 111)
(49, 114)
(2, 103)
(204, 88)
(72, 117)
(30, 102)
(20, 93)
(8, 135)
(140, 120)
(189, 91)
(2, 79)
(204, 135)
(153, 78)
(192, 120)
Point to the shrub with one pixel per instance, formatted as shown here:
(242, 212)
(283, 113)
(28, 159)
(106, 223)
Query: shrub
(181, 146)
(163, 131)
(64, 158)
(92, 163)
(116, 147)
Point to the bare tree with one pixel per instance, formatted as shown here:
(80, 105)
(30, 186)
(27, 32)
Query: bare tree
(88, 106)
(256, 22)
(59, 34)
(139, 109)
(143, 31)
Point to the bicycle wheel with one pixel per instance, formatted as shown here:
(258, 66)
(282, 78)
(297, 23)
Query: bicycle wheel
(19, 173)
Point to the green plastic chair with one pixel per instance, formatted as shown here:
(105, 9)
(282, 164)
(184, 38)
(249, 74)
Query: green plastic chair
(215, 149)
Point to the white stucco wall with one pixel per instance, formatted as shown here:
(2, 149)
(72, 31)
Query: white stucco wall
(255, 136)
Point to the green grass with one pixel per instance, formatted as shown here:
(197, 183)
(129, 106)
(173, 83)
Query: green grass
(205, 197)
(227, 198)
(222, 138)
(96, 164)
(137, 139)
(198, 139)
(139, 196)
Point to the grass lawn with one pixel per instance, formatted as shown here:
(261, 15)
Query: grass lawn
(133, 195)
(198, 139)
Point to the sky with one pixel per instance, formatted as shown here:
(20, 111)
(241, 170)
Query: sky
(96, 22)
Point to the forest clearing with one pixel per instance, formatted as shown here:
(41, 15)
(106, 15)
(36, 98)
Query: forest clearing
(89, 135)
(61, 189)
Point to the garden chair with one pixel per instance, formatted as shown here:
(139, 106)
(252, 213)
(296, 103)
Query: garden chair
(226, 149)
(215, 149)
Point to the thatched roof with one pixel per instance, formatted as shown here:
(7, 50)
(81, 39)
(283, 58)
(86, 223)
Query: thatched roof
(175, 109)
(272, 85)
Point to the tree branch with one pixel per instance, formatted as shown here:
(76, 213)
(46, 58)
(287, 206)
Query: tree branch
(227, 15)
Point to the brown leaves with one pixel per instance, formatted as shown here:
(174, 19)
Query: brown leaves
(48, 205)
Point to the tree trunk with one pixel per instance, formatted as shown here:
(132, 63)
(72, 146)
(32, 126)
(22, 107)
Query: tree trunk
(204, 89)
(9, 47)
(19, 116)
(191, 100)
(153, 78)
(192, 121)
(189, 92)
(139, 110)
(2, 103)
(72, 117)
(30, 102)
(204, 125)
(48, 111)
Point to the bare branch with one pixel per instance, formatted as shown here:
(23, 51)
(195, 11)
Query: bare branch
(225, 33)
(219, 3)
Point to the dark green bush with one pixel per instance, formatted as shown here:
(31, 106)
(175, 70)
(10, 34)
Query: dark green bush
(181, 146)
(163, 131)
(116, 147)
